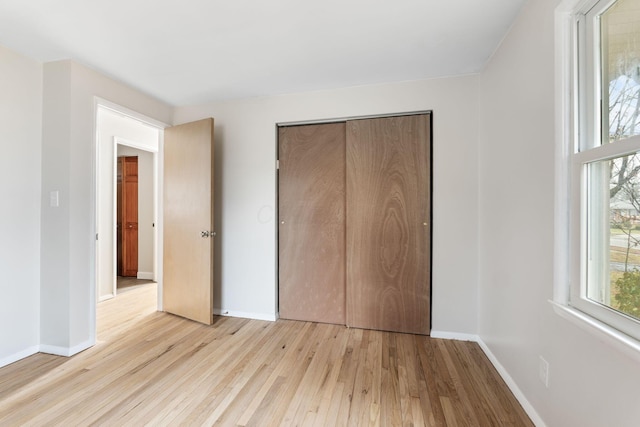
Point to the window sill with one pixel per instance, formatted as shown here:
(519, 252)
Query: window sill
(603, 332)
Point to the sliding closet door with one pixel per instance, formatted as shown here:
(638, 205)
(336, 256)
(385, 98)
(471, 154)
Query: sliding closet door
(312, 222)
(388, 211)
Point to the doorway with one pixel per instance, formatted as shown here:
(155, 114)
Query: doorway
(120, 132)
(135, 216)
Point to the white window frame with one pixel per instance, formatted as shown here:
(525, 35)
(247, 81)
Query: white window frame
(577, 89)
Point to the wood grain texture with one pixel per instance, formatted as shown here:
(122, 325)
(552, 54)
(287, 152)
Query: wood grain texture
(311, 233)
(388, 216)
(188, 210)
(119, 172)
(129, 219)
(152, 368)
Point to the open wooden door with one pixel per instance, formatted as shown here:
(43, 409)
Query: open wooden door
(188, 221)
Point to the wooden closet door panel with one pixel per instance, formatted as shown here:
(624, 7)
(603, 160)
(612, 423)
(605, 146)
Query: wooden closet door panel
(312, 222)
(388, 212)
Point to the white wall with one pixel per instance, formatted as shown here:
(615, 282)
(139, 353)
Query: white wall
(590, 383)
(245, 189)
(68, 292)
(111, 124)
(20, 162)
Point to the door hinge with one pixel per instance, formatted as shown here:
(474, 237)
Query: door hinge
(96, 236)
(277, 164)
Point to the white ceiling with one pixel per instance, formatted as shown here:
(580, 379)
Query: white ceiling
(196, 51)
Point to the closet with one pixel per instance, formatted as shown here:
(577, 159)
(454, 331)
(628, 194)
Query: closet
(354, 222)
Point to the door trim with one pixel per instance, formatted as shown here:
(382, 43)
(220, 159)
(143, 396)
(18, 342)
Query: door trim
(351, 118)
(99, 103)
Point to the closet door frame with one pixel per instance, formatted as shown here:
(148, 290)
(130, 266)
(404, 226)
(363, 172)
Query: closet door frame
(347, 119)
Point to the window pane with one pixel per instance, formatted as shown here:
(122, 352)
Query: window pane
(620, 53)
(614, 234)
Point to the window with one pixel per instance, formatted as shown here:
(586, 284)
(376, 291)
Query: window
(603, 158)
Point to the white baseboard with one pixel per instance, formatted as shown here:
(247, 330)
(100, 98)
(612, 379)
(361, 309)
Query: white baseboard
(519, 395)
(55, 350)
(105, 297)
(454, 336)
(65, 351)
(145, 275)
(245, 315)
(528, 408)
(19, 355)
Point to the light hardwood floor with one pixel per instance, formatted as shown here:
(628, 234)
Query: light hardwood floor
(152, 368)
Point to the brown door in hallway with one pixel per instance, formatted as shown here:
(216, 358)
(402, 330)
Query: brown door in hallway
(127, 216)
(188, 221)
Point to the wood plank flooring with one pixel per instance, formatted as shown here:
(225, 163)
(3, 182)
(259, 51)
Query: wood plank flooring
(152, 368)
